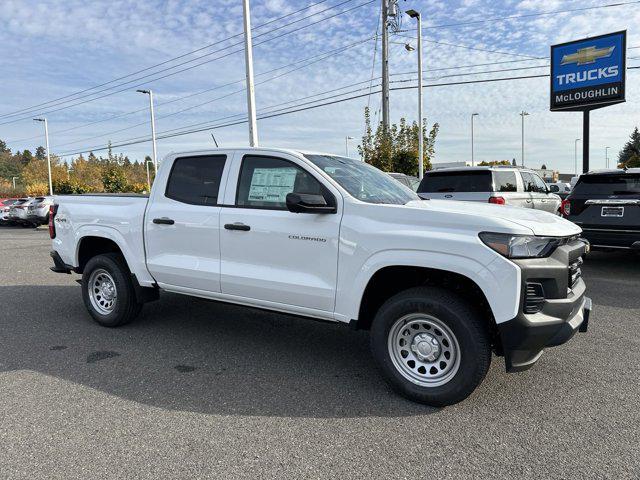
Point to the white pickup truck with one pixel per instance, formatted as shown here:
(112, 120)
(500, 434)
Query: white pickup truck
(440, 285)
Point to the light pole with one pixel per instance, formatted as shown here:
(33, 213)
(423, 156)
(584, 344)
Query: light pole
(575, 156)
(46, 139)
(147, 162)
(523, 114)
(248, 57)
(415, 14)
(472, 117)
(153, 128)
(606, 156)
(14, 182)
(346, 144)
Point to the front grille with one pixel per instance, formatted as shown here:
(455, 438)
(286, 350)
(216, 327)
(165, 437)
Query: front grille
(574, 272)
(534, 298)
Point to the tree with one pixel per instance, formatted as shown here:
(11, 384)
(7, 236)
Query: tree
(544, 167)
(396, 149)
(513, 163)
(114, 179)
(26, 157)
(4, 148)
(494, 163)
(630, 149)
(633, 162)
(41, 153)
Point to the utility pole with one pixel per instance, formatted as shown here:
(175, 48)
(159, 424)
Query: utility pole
(46, 139)
(415, 14)
(575, 156)
(248, 57)
(472, 159)
(153, 128)
(523, 114)
(606, 156)
(385, 65)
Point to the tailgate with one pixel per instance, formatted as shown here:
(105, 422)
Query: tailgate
(610, 213)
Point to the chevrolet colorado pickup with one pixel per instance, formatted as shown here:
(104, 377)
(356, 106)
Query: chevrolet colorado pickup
(440, 285)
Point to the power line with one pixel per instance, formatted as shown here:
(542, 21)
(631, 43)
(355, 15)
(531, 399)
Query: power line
(529, 15)
(314, 59)
(301, 107)
(166, 61)
(295, 109)
(437, 42)
(195, 59)
(324, 55)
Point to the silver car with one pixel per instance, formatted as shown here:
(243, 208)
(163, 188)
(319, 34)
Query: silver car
(18, 211)
(513, 186)
(38, 210)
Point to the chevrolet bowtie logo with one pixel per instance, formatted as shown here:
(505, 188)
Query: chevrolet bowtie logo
(587, 55)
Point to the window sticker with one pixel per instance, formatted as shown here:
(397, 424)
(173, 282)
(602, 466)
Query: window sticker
(272, 184)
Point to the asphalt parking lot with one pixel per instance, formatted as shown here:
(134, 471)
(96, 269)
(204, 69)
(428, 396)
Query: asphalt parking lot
(196, 389)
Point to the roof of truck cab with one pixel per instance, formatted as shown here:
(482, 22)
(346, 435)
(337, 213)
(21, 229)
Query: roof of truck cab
(293, 151)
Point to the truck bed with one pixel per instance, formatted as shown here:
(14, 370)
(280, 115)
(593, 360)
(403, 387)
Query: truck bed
(81, 216)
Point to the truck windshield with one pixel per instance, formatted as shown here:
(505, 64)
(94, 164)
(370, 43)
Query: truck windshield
(608, 184)
(362, 181)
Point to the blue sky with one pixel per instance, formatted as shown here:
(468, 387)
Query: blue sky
(53, 48)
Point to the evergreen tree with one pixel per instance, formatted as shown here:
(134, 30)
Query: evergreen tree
(26, 157)
(41, 153)
(631, 148)
(4, 148)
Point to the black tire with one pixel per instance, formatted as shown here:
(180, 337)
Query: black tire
(468, 327)
(126, 306)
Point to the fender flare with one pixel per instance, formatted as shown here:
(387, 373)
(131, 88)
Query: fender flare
(137, 267)
(499, 281)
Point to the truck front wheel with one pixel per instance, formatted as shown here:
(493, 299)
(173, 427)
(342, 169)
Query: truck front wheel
(108, 292)
(431, 346)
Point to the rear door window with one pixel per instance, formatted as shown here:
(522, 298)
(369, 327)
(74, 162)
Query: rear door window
(505, 181)
(623, 184)
(443, 182)
(196, 180)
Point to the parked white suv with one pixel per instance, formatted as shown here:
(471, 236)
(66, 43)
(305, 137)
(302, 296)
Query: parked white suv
(500, 185)
(439, 285)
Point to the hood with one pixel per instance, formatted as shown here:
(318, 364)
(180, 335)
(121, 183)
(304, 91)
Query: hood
(539, 222)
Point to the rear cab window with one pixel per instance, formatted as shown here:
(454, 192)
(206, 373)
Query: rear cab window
(196, 180)
(609, 184)
(458, 181)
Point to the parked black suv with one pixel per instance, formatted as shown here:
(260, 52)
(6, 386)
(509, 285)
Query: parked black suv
(606, 204)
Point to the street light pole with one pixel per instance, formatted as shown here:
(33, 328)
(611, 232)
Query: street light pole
(14, 182)
(46, 139)
(346, 144)
(523, 114)
(248, 57)
(153, 128)
(575, 156)
(472, 157)
(606, 156)
(415, 14)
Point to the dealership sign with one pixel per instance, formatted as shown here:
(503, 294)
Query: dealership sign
(588, 73)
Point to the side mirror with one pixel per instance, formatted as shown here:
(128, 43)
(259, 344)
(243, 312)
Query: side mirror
(308, 203)
(554, 188)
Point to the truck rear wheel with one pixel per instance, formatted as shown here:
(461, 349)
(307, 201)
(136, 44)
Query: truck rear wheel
(107, 290)
(430, 346)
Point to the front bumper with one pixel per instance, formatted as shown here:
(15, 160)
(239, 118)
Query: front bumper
(560, 312)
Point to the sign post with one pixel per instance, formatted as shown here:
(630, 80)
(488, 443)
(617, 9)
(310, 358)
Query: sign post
(588, 74)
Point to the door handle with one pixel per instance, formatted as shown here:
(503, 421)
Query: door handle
(163, 221)
(237, 226)
(529, 200)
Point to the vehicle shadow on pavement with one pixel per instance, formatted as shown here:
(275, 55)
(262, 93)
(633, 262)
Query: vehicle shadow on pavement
(617, 275)
(195, 355)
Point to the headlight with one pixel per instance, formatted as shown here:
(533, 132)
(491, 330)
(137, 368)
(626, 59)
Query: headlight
(520, 246)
